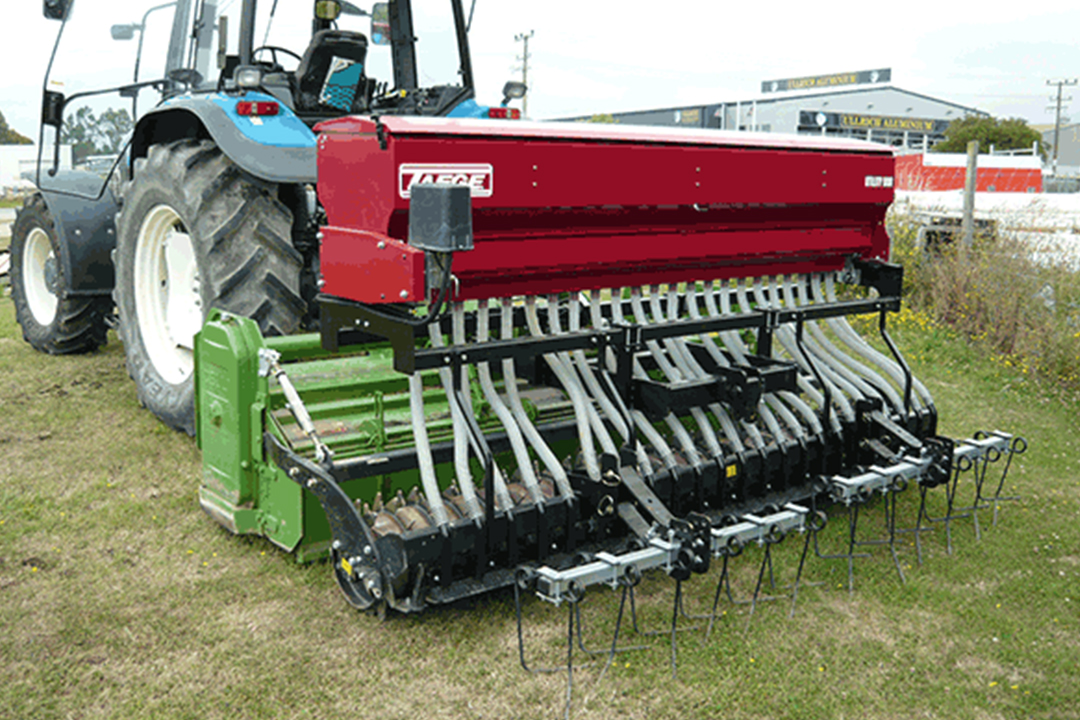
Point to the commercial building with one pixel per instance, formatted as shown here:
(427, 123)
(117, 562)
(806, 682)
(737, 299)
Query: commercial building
(1068, 155)
(871, 108)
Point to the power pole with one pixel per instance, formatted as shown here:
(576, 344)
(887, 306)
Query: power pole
(524, 38)
(1057, 116)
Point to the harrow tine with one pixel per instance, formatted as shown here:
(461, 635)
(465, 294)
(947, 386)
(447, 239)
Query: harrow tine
(962, 464)
(1017, 446)
(816, 524)
(614, 650)
(850, 555)
(721, 583)
(650, 633)
(771, 538)
(889, 507)
(571, 612)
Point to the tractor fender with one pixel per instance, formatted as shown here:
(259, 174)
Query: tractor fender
(84, 214)
(278, 148)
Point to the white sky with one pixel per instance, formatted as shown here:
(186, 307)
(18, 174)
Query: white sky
(614, 56)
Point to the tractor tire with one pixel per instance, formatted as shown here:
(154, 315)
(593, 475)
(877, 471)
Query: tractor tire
(196, 232)
(52, 320)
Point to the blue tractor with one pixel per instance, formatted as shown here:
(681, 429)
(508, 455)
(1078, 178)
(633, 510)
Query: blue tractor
(213, 202)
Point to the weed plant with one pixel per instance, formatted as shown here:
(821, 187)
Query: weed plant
(1018, 302)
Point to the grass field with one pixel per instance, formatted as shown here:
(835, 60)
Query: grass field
(119, 598)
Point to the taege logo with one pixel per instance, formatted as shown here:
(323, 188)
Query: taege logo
(478, 178)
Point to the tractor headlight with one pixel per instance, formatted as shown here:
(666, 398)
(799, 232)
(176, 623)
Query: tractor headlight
(248, 76)
(327, 9)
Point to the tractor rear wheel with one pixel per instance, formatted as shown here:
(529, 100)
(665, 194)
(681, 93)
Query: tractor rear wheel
(52, 320)
(196, 232)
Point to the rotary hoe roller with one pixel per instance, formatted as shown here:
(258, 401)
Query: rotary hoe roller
(555, 356)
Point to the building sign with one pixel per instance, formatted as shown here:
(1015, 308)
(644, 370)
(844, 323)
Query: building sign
(814, 82)
(809, 119)
(688, 117)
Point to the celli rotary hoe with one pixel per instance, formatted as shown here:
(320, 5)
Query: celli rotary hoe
(539, 355)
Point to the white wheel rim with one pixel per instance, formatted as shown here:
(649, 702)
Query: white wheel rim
(39, 264)
(168, 303)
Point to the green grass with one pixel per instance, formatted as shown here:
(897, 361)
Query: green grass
(17, 203)
(119, 598)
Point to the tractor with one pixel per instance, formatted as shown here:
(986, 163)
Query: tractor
(213, 203)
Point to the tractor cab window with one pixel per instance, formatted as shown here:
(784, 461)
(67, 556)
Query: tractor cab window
(283, 41)
(105, 49)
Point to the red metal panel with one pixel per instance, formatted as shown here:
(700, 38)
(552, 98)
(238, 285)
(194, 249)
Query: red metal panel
(370, 268)
(559, 206)
(913, 174)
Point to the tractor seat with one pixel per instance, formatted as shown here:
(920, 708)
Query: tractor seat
(331, 73)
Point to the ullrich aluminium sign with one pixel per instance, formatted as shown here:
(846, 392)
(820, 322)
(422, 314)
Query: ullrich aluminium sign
(814, 82)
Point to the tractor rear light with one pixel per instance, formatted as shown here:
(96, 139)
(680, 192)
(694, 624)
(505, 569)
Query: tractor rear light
(250, 108)
(503, 113)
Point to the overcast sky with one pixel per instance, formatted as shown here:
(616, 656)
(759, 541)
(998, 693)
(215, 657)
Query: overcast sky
(592, 56)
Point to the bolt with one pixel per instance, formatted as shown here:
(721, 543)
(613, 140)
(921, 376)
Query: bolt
(382, 295)
(404, 293)
(319, 235)
(294, 473)
(381, 245)
(367, 550)
(336, 544)
(312, 482)
(321, 283)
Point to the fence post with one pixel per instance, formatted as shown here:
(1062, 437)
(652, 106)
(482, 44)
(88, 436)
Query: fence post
(968, 226)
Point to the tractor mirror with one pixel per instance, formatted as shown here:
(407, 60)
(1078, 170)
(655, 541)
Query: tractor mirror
(380, 24)
(123, 32)
(57, 9)
(52, 109)
(513, 90)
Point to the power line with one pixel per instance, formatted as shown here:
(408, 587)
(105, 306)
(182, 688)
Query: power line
(524, 38)
(1057, 117)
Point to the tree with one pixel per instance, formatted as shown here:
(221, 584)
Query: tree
(113, 128)
(1003, 134)
(96, 135)
(9, 136)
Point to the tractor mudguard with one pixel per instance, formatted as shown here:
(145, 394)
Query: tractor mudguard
(279, 148)
(85, 227)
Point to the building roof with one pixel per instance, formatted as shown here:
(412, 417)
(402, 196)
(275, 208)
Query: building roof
(765, 99)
